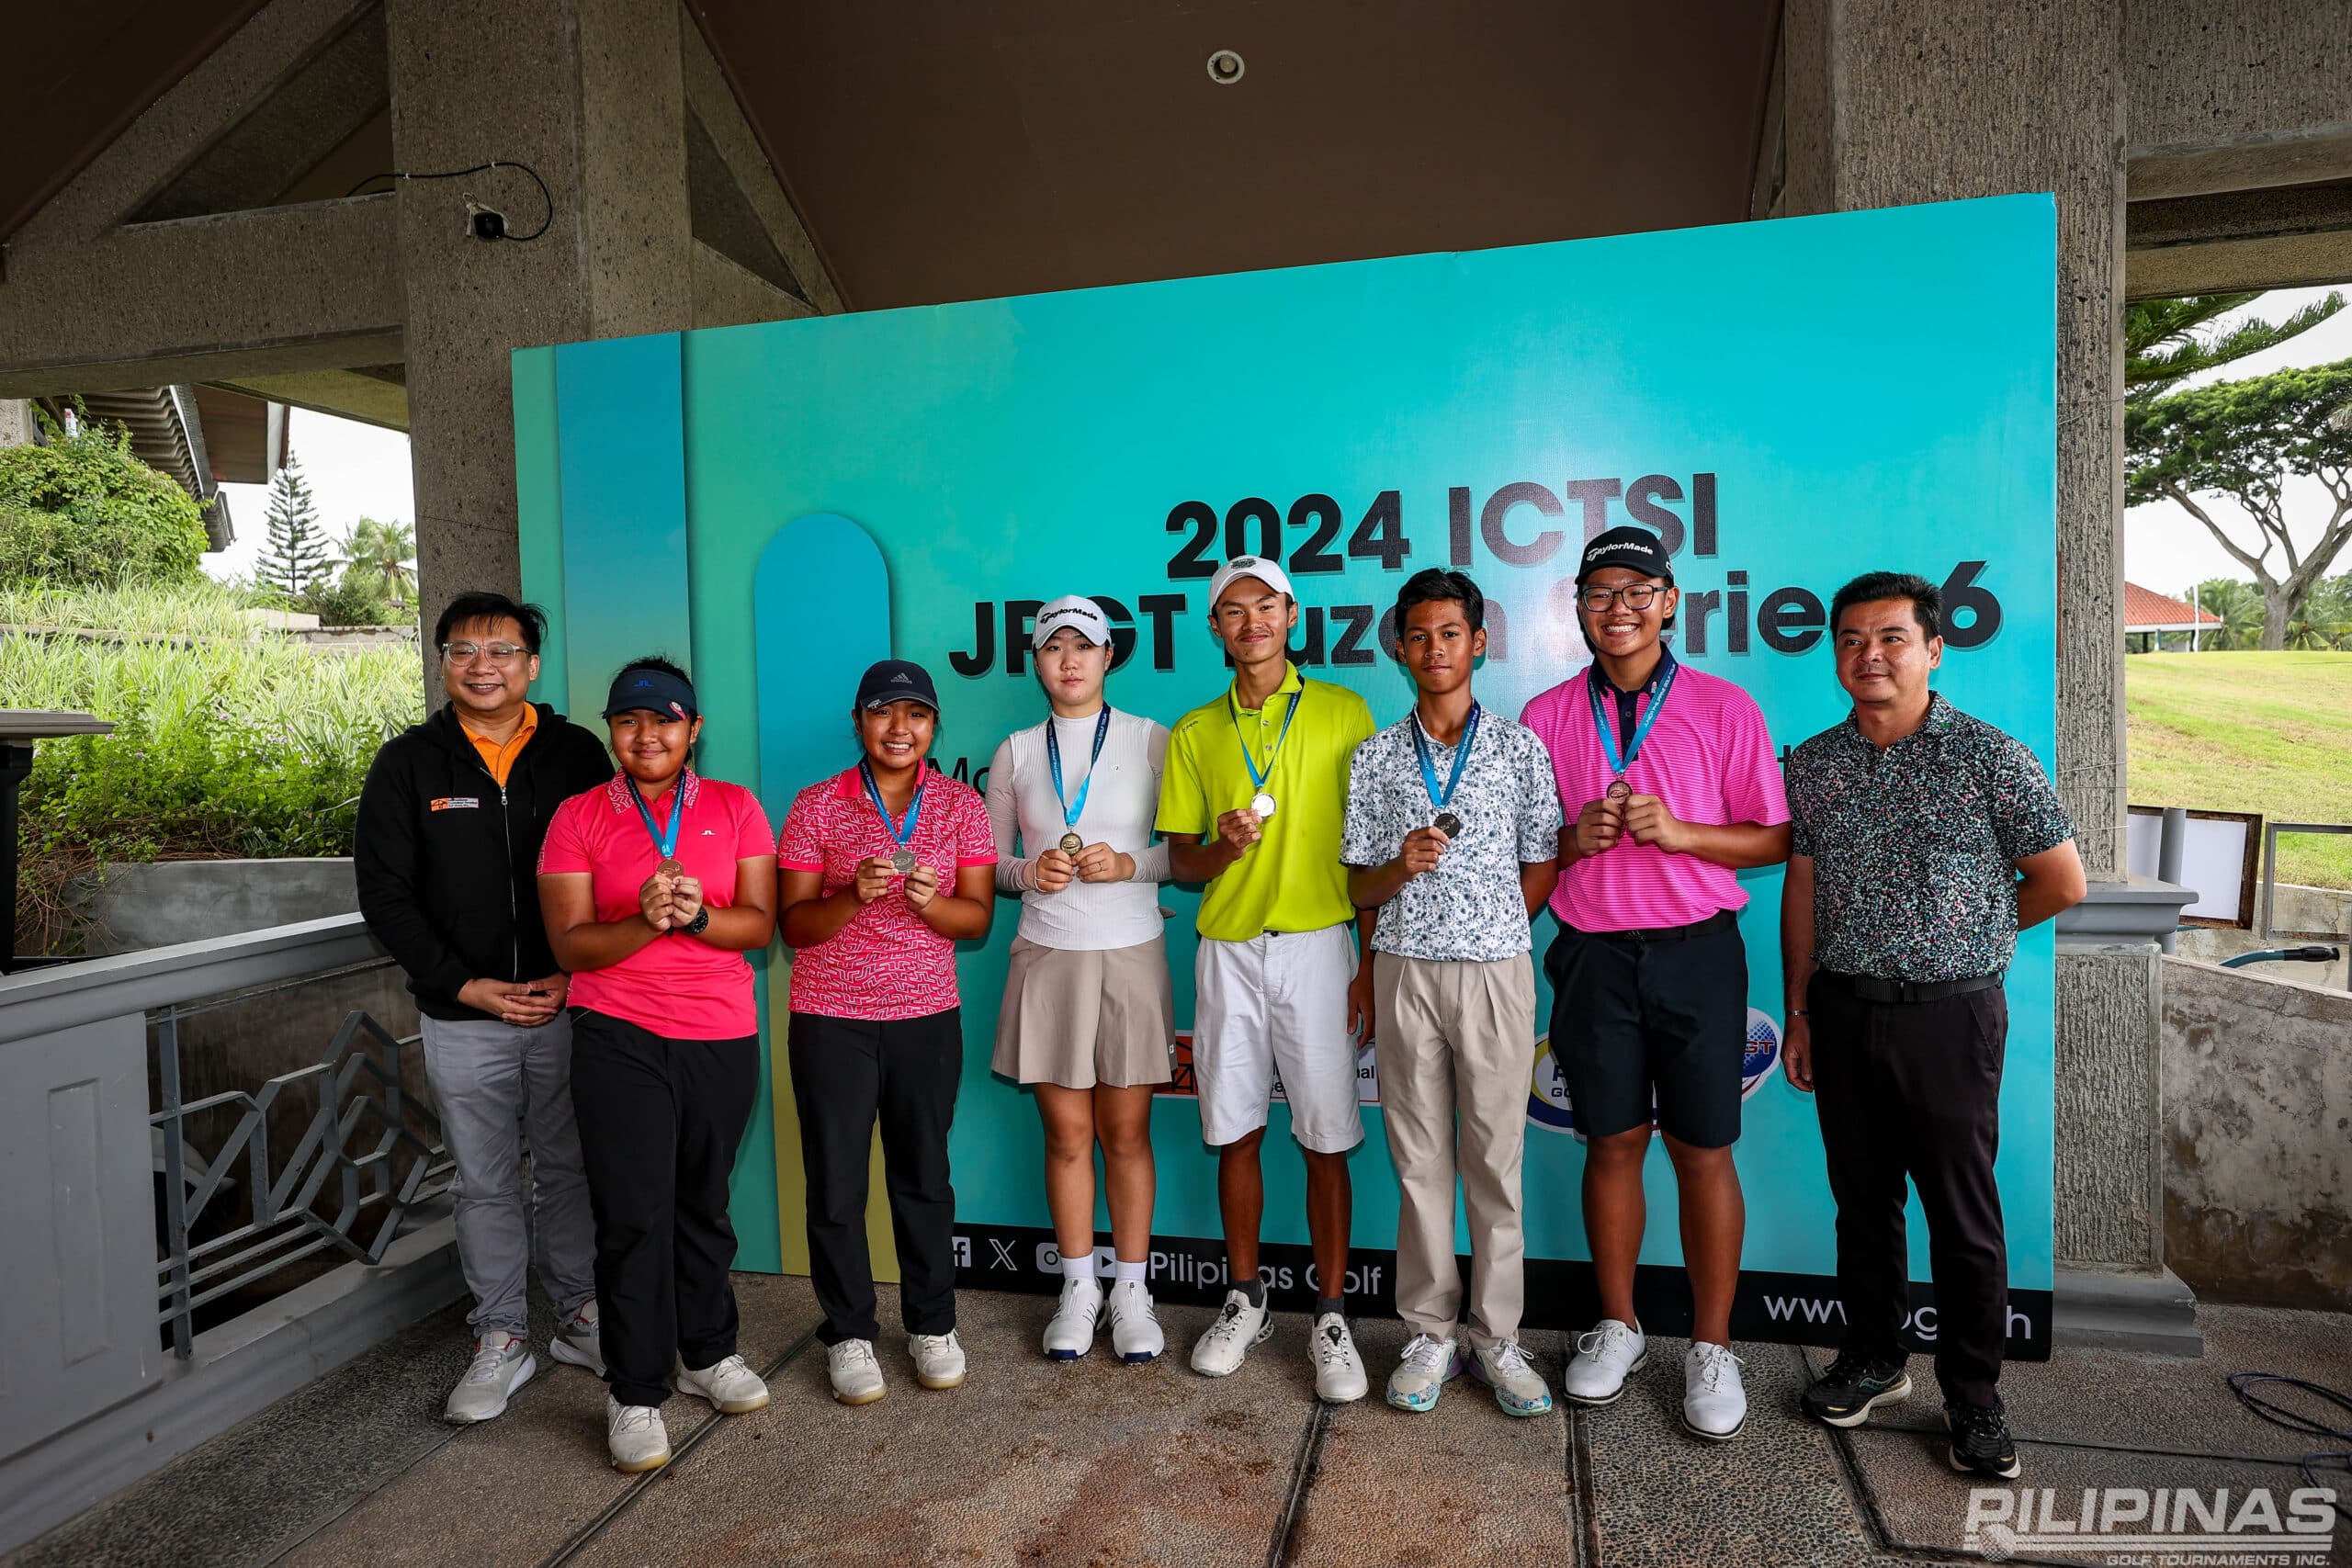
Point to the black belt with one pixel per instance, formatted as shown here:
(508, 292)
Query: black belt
(1871, 988)
(1720, 920)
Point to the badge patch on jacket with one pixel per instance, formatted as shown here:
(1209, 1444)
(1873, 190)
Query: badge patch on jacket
(458, 802)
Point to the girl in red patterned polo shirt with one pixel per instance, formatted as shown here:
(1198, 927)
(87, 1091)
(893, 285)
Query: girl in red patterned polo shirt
(885, 868)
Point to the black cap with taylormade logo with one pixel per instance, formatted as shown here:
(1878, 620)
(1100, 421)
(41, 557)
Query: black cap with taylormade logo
(897, 681)
(1636, 550)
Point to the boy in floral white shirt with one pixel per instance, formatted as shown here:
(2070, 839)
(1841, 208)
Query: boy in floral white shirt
(1452, 834)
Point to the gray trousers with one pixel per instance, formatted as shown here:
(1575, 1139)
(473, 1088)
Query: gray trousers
(496, 1086)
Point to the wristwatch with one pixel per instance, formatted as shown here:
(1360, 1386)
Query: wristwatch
(700, 924)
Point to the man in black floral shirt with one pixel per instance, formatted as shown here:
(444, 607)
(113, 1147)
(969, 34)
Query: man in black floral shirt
(1453, 835)
(1925, 842)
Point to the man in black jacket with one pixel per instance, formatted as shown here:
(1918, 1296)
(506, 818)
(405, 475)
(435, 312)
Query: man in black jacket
(446, 853)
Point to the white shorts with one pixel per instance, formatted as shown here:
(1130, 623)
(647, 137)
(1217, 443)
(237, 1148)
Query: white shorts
(1277, 1003)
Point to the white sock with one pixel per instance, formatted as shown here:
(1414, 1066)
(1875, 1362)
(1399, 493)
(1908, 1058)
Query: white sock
(1078, 1268)
(1137, 1272)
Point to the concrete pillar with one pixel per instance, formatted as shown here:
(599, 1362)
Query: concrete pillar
(1888, 104)
(15, 422)
(589, 94)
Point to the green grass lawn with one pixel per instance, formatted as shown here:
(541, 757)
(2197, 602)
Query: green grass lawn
(2267, 732)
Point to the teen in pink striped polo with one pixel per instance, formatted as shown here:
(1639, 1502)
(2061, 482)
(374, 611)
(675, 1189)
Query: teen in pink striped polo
(1670, 784)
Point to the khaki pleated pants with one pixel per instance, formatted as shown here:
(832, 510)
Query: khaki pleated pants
(1456, 1043)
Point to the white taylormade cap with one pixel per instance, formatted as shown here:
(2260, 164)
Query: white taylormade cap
(1239, 566)
(1078, 613)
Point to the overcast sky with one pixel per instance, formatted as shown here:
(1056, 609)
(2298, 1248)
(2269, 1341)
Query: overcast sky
(356, 470)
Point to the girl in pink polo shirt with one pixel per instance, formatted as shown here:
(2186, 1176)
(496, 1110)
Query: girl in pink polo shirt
(884, 868)
(653, 887)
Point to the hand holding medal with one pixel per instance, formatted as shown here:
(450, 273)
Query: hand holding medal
(657, 898)
(920, 886)
(1424, 847)
(903, 861)
(1244, 827)
(1071, 858)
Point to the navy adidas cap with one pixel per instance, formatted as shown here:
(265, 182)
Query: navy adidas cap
(895, 680)
(655, 691)
(1637, 549)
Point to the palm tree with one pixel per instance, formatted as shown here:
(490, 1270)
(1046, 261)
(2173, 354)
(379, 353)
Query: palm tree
(385, 553)
(2166, 340)
(2240, 607)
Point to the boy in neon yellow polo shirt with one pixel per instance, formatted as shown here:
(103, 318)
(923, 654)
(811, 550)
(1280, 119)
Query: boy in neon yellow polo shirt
(1251, 802)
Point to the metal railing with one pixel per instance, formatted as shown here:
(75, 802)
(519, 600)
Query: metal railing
(368, 1150)
(367, 1153)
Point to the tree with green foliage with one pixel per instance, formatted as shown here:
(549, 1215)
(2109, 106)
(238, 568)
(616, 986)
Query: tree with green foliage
(2247, 440)
(295, 559)
(2239, 604)
(2167, 341)
(383, 556)
(81, 512)
(348, 600)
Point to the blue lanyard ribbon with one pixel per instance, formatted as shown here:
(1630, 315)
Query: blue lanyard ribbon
(1606, 722)
(873, 793)
(665, 842)
(1461, 758)
(1257, 780)
(1053, 758)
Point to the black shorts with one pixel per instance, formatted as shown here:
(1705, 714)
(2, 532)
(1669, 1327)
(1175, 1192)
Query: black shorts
(1637, 1015)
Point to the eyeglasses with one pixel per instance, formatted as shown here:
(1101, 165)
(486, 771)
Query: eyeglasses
(500, 654)
(1636, 596)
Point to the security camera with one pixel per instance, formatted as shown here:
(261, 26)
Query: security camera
(485, 223)
(1226, 68)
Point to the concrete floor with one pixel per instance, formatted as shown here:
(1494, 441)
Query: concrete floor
(1036, 1465)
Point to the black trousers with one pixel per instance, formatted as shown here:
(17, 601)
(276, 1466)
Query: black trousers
(847, 1073)
(1912, 1090)
(660, 1121)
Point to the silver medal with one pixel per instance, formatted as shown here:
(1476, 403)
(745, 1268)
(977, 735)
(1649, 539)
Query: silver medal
(1448, 824)
(904, 863)
(1262, 804)
(1620, 790)
(1072, 843)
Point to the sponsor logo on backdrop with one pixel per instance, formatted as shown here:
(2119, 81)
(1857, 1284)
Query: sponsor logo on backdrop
(2187, 1524)
(1763, 1051)
(1180, 1081)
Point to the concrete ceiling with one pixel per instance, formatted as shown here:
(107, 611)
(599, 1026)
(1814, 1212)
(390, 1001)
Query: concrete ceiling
(959, 149)
(83, 71)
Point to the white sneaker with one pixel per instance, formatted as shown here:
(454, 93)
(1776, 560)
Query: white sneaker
(1714, 1402)
(1422, 1372)
(1339, 1370)
(1605, 1358)
(856, 1375)
(730, 1383)
(1519, 1388)
(1070, 1332)
(635, 1437)
(579, 1340)
(1219, 1352)
(502, 1363)
(1135, 1333)
(939, 1359)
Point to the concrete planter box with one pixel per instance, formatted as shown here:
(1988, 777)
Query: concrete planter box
(158, 904)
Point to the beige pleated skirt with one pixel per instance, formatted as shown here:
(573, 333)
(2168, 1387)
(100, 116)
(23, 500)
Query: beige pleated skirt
(1078, 1018)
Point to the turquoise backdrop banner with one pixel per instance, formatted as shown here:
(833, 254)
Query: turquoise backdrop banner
(1786, 403)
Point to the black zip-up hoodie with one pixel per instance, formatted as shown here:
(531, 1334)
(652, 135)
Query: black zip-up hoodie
(447, 861)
